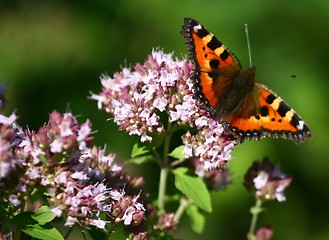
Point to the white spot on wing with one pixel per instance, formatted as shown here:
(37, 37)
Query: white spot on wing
(301, 124)
(198, 27)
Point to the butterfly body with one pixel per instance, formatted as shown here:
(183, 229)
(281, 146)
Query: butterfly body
(233, 96)
(247, 109)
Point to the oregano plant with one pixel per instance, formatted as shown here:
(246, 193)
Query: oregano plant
(54, 179)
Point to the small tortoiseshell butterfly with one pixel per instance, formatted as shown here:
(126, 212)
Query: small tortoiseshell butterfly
(247, 109)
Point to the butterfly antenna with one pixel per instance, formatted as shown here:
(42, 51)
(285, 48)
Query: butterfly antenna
(248, 43)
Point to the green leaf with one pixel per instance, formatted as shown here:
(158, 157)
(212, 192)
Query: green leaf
(5, 208)
(96, 233)
(43, 215)
(193, 187)
(118, 234)
(30, 226)
(23, 219)
(141, 159)
(45, 231)
(138, 150)
(178, 153)
(197, 219)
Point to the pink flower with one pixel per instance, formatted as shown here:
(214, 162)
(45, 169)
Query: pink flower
(13, 199)
(264, 233)
(7, 121)
(138, 99)
(99, 223)
(268, 181)
(209, 144)
(83, 182)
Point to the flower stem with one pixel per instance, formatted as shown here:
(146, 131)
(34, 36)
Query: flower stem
(23, 208)
(164, 168)
(162, 187)
(181, 208)
(68, 233)
(255, 210)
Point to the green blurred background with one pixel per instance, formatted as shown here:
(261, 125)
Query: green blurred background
(52, 53)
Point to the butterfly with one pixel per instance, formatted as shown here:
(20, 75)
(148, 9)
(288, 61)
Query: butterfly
(248, 110)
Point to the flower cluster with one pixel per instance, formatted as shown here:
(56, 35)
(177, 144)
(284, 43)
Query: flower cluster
(268, 181)
(91, 183)
(210, 144)
(135, 98)
(82, 182)
(139, 100)
(12, 159)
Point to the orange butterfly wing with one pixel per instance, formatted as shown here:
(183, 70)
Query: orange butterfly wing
(248, 110)
(213, 63)
(272, 118)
